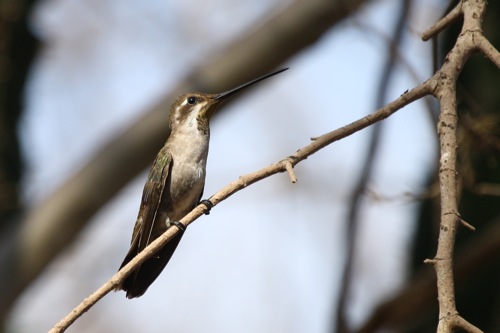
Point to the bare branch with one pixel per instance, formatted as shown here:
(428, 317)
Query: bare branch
(402, 310)
(459, 322)
(32, 245)
(488, 50)
(447, 126)
(239, 184)
(448, 19)
(466, 224)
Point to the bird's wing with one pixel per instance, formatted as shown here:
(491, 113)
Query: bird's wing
(151, 198)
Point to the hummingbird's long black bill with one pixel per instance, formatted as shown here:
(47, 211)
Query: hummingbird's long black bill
(248, 84)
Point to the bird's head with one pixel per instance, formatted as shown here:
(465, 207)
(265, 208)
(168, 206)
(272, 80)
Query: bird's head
(198, 108)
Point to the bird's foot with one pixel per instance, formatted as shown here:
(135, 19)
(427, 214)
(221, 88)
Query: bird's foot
(179, 225)
(207, 204)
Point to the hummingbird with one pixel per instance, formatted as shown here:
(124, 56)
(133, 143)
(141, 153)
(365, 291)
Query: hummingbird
(175, 183)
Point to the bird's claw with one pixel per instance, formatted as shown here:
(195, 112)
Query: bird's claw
(179, 225)
(208, 204)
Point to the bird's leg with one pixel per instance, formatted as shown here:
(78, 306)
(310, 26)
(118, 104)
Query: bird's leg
(207, 203)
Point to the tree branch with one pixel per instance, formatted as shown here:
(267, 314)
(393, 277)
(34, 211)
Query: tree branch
(239, 184)
(488, 50)
(444, 22)
(47, 228)
(446, 93)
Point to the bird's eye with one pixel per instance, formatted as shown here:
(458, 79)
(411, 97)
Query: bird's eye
(191, 100)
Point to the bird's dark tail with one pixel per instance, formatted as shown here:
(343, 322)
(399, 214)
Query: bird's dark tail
(138, 281)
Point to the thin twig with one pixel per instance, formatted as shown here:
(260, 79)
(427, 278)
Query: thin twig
(289, 169)
(403, 62)
(237, 185)
(444, 22)
(488, 50)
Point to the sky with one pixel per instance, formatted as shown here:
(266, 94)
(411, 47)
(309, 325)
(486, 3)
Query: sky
(268, 259)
